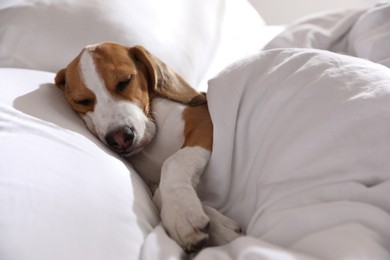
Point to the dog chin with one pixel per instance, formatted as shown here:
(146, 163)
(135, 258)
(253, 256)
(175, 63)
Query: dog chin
(128, 154)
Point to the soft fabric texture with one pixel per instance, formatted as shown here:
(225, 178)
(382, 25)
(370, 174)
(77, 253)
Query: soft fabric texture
(63, 195)
(301, 139)
(370, 36)
(361, 33)
(326, 30)
(300, 154)
(196, 38)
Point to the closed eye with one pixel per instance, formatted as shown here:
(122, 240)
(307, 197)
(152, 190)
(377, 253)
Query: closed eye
(122, 85)
(83, 102)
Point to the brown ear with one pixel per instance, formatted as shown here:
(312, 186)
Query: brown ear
(60, 79)
(165, 82)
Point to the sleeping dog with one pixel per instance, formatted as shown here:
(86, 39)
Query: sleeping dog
(144, 111)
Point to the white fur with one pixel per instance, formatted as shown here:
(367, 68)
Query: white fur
(181, 210)
(168, 140)
(110, 113)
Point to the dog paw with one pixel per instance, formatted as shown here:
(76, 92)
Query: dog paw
(222, 229)
(186, 222)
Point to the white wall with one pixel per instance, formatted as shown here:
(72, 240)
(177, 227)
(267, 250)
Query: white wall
(285, 11)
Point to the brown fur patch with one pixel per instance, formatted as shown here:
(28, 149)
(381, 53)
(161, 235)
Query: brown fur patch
(198, 128)
(115, 65)
(75, 91)
(166, 83)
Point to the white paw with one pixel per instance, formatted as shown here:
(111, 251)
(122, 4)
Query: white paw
(222, 229)
(185, 221)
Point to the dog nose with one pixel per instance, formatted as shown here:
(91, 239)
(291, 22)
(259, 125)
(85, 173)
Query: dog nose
(120, 139)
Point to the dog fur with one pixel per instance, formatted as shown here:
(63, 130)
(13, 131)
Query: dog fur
(143, 110)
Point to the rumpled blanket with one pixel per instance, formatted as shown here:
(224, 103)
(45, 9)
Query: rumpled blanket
(302, 143)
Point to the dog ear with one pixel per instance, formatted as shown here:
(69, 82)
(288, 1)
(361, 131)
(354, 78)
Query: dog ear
(164, 81)
(60, 79)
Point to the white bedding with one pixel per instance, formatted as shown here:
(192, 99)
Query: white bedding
(301, 136)
(362, 33)
(302, 150)
(62, 194)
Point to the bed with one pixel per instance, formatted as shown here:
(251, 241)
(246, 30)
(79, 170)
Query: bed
(301, 118)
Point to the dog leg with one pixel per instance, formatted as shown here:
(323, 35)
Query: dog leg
(222, 229)
(181, 210)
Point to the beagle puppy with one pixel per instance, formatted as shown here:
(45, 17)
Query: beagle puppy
(145, 112)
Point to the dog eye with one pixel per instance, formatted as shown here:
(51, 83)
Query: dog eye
(83, 102)
(123, 84)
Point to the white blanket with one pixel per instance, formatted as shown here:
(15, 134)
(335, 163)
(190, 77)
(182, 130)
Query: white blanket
(301, 145)
(300, 157)
(360, 33)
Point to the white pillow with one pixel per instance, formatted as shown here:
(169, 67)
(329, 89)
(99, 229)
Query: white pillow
(63, 195)
(187, 35)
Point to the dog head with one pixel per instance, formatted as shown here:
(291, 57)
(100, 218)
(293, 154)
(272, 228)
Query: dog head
(111, 87)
